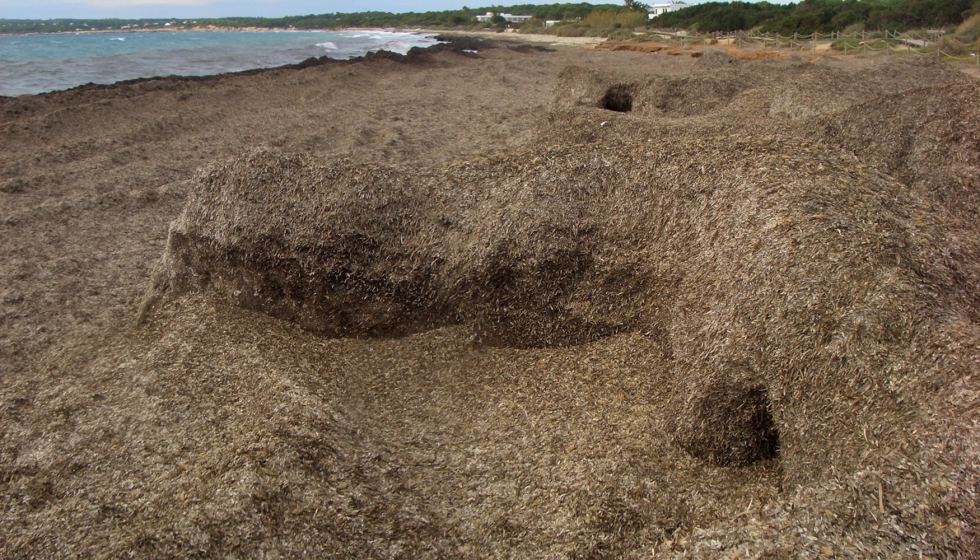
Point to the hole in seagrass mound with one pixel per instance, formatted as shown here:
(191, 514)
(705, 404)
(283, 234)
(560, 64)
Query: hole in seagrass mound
(728, 423)
(618, 98)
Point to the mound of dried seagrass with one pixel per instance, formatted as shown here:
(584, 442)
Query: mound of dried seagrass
(810, 266)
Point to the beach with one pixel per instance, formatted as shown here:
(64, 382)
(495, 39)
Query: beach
(139, 418)
(40, 63)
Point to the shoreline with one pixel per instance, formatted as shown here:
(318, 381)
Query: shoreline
(589, 43)
(299, 64)
(209, 29)
(506, 35)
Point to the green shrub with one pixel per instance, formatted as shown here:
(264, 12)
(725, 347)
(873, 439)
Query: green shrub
(857, 43)
(954, 46)
(573, 29)
(533, 25)
(602, 19)
(621, 35)
(846, 44)
(969, 30)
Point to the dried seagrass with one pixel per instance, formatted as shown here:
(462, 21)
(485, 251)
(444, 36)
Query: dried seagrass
(797, 246)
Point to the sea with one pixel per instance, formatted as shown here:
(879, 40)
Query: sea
(31, 64)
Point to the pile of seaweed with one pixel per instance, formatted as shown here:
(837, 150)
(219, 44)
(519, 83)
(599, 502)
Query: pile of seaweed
(800, 241)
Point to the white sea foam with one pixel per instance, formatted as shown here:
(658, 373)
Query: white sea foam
(329, 45)
(117, 39)
(399, 47)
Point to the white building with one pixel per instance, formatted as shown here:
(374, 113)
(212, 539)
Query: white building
(657, 9)
(509, 18)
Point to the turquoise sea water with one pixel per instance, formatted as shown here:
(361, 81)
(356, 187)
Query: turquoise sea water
(37, 63)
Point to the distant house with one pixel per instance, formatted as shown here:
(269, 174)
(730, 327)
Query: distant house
(509, 18)
(657, 9)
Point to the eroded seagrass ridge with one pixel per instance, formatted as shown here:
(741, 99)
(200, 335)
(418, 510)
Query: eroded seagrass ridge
(801, 243)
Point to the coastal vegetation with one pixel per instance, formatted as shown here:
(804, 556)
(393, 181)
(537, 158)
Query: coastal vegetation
(822, 16)
(615, 24)
(582, 19)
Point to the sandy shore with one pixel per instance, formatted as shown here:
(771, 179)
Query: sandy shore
(215, 430)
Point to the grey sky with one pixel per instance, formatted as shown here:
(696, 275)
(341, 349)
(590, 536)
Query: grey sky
(47, 9)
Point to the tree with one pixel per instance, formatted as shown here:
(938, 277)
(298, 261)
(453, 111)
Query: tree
(634, 6)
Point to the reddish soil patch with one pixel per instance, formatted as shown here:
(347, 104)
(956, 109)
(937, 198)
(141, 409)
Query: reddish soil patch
(696, 52)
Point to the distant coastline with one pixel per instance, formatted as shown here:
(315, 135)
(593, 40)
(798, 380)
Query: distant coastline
(215, 28)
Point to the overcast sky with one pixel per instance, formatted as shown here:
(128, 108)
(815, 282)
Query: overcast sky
(49, 9)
